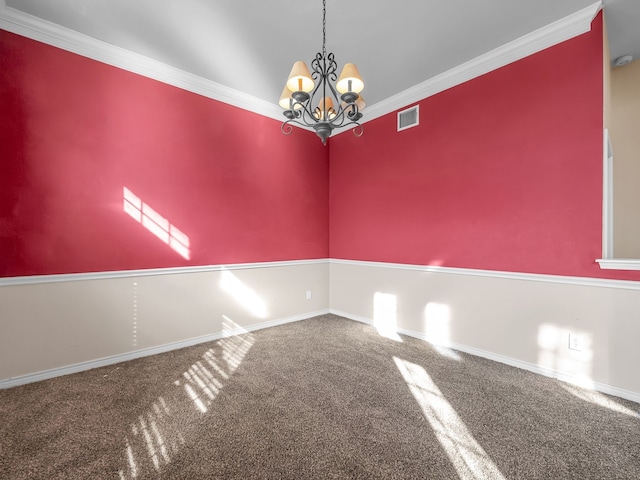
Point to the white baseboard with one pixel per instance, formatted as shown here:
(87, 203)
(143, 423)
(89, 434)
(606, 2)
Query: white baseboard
(124, 357)
(275, 323)
(547, 372)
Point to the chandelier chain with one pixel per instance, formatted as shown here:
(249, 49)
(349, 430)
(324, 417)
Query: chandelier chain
(324, 28)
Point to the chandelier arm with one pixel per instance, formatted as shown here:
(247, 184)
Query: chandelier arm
(315, 89)
(332, 68)
(303, 115)
(303, 112)
(335, 93)
(348, 113)
(316, 67)
(308, 116)
(286, 128)
(358, 126)
(358, 130)
(354, 114)
(339, 118)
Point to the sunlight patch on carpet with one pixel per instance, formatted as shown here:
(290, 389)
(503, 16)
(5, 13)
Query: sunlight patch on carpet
(467, 456)
(159, 433)
(600, 399)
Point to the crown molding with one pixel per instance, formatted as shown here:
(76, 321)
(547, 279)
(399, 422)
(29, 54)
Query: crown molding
(52, 34)
(545, 37)
(55, 35)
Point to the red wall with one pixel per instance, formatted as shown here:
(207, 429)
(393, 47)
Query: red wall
(75, 132)
(504, 172)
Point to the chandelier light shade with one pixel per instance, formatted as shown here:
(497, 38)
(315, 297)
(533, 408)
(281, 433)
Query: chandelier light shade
(285, 98)
(286, 101)
(309, 97)
(300, 78)
(350, 80)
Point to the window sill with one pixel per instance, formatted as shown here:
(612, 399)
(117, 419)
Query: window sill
(619, 263)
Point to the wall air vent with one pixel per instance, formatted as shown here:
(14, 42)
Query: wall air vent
(408, 118)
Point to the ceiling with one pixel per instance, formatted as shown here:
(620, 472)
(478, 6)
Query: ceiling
(250, 45)
(623, 26)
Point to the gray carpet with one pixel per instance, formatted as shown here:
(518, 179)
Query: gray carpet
(319, 399)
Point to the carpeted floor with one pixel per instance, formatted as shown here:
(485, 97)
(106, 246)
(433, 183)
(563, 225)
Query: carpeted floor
(319, 399)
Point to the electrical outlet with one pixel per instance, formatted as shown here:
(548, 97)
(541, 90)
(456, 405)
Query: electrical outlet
(576, 342)
(308, 294)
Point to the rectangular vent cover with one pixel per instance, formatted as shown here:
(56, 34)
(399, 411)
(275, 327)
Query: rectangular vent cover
(408, 118)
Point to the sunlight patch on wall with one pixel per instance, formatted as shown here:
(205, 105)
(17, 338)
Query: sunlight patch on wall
(554, 354)
(385, 315)
(467, 456)
(155, 223)
(243, 294)
(158, 435)
(437, 317)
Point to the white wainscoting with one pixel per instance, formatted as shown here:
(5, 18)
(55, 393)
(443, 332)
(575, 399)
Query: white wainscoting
(518, 319)
(55, 325)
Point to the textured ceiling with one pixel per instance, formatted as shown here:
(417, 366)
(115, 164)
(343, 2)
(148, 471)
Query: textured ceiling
(250, 45)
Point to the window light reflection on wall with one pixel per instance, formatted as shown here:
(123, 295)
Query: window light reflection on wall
(437, 318)
(155, 223)
(385, 315)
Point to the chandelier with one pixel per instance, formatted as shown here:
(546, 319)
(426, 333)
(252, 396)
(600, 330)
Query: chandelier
(310, 99)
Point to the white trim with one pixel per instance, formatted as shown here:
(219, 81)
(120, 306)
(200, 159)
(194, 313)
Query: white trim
(77, 277)
(608, 262)
(545, 37)
(531, 367)
(607, 197)
(619, 263)
(530, 277)
(52, 34)
(125, 357)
